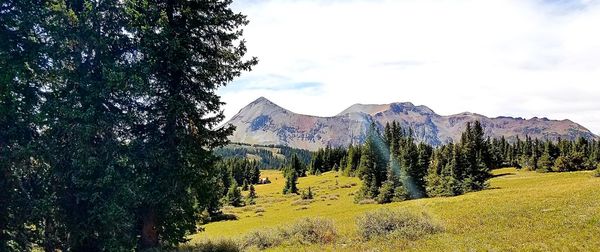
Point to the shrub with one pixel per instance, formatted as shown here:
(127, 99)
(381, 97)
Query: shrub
(212, 246)
(367, 201)
(307, 195)
(311, 230)
(597, 171)
(261, 239)
(304, 231)
(400, 223)
(301, 202)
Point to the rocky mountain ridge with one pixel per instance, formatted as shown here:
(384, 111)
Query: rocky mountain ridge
(264, 122)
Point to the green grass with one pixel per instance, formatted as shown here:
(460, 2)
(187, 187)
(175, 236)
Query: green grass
(521, 211)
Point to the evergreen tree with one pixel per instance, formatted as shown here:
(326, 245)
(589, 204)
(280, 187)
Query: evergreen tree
(372, 168)
(291, 176)
(250, 199)
(352, 160)
(245, 185)
(316, 163)
(297, 166)
(23, 184)
(388, 188)
(187, 49)
(291, 179)
(88, 112)
(254, 173)
(234, 195)
(307, 194)
(546, 162)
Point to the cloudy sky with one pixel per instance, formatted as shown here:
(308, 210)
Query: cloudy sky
(512, 58)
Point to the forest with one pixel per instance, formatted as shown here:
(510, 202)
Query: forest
(394, 167)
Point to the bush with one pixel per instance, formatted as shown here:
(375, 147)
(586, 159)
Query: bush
(212, 246)
(309, 231)
(307, 195)
(261, 239)
(305, 231)
(400, 223)
(367, 201)
(597, 171)
(301, 202)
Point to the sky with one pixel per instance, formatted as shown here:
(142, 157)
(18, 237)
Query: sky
(497, 58)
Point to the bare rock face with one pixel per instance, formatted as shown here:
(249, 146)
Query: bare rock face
(264, 122)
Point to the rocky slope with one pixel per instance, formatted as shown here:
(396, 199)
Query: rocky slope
(264, 122)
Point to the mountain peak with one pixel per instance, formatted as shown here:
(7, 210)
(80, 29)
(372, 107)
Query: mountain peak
(260, 106)
(262, 99)
(396, 107)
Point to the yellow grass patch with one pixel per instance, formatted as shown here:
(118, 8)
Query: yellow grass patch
(521, 211)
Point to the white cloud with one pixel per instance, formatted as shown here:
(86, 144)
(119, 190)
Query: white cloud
(515, 58)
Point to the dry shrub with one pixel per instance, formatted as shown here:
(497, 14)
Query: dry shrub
(302, 202)
(304, 231)
(400, 224)
(212, 246)
(261, 239)
(312, 231)
(367, 201)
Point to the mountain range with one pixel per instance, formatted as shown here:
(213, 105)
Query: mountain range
(264, 122)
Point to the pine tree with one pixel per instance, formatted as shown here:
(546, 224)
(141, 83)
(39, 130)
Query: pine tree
(245, 185)
(352, 160)
(291, 176)
(23, 184)
(307, 194)
(187, 49)
(545, 162)
(372, 168)
(250, 199)
(255, 173)
(88, 115)
(388, 188)
(234, 195)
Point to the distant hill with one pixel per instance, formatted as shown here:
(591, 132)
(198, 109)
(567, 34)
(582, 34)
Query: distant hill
(264, 122)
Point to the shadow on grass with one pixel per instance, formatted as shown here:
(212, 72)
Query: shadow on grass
(503, 174)
(221, 217)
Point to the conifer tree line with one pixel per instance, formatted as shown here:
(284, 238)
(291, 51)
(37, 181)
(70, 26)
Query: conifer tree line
(108, 118)
(268, 159)
(393, 167)
(241, 170)
(237, 174)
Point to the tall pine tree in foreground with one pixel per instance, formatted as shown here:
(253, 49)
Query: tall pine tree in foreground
(188, 49)
(22, 177)
(88, 111)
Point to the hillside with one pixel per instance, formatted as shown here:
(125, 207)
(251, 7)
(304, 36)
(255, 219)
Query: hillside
(264, 122)
(272, 156)
(522, 210)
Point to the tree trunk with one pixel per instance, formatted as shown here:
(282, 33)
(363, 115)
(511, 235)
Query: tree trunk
(149, 237)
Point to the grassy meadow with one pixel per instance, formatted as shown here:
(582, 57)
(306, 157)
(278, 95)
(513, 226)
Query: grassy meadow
(522, 210)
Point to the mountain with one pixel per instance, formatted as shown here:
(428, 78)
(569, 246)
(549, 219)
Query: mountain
(264, 122)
